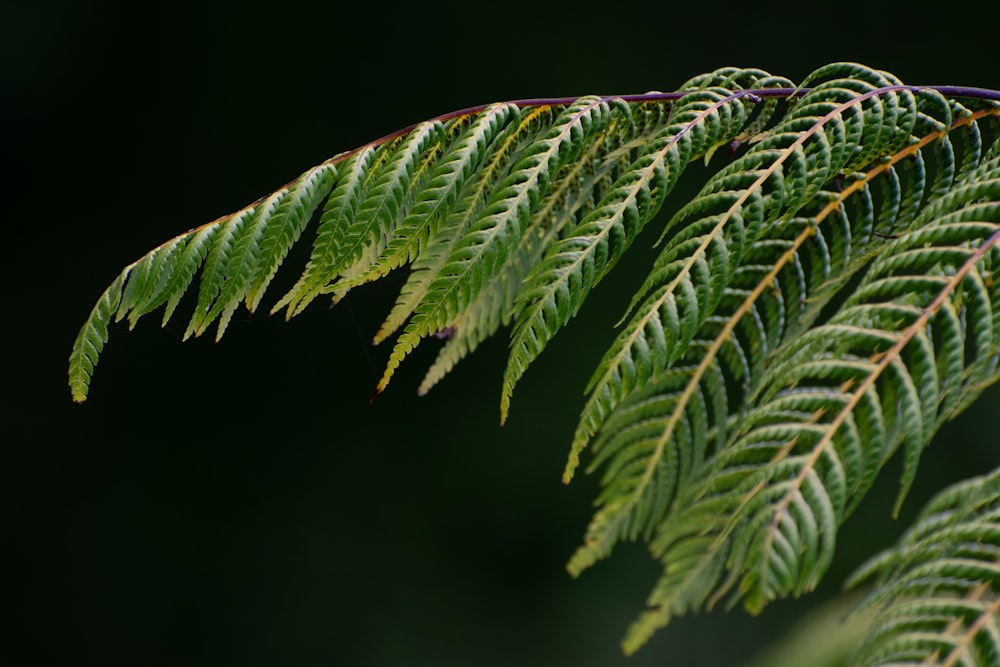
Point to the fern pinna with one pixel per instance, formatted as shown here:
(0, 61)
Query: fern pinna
(826, 299)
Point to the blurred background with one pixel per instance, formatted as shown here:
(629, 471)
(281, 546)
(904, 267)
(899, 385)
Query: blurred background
(242, 502)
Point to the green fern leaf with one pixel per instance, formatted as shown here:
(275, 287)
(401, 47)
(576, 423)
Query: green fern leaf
(782, 485)
(485, 315)
(388, 199)
(181, 276)
(556, 290)
(91, 339)
(241, 264)
(435, 202)
(489, 242)
(470, 204)
(287, 225)
(338, 216)
(777, 176)
(827, 299)
(937, 603)
(216, 268)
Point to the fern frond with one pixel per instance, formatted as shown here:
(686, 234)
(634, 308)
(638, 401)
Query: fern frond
(485, 248)
(243, 253)
(571, 194)
(291, 218)
(335, 230)
(215, 268)
(765, 299)
(937, 601)
(824, 134)
(485, 315)
(174, 264)
(468, 207)
(770, 502)
(555, 291)
(827, 298)
(657, 436)
(91, 339)
(238, 256)
(435, 201)
(388, 204)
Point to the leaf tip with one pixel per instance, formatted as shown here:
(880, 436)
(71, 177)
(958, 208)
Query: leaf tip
(384, 380)
(573, 461)
(579, 562)
(380, 335)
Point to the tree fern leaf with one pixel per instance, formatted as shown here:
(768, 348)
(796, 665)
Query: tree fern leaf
(435, 202)
(826, 299)
(91, 339)
(159, 265)
(141, 279)
(385, 201)
(794, 421)
(259, 245)
(696, 561)
(338, 216)
(608, 524)
(890, 359)
(487, 313)
(191, 260)
(862, 463)
(638, 485)
(936, 602)
(557, 289)
(714, 243)
(470, 204)
(570, 191)
(216, 269)
(242, 264)
(287, 225)
(679, 402)
(489, 242)
(228, 247)
(579, 184)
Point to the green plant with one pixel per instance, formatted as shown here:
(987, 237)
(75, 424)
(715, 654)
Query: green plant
(826, 299)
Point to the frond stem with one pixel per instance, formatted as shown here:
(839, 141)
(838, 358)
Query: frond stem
(953, 91)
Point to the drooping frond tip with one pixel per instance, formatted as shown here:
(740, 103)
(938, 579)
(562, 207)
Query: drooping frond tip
(826, 299)
(473, 200)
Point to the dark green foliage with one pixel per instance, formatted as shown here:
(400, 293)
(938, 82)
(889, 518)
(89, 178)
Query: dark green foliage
(827, 299)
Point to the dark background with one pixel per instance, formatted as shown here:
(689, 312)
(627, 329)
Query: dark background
(241, 502)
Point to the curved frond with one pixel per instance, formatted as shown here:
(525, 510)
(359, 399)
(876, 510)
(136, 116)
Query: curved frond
(827, 299)
(91, 339)
(822, 135)
(459, 161)
(486, 247)
(363, 211)
(701, 121)
(838, 401)
(767, 299)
